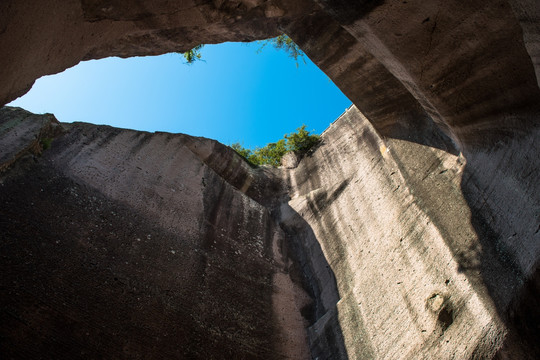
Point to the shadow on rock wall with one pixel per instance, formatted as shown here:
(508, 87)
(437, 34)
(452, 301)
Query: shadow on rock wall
(311, 267)
(85, 276)
(500, 187)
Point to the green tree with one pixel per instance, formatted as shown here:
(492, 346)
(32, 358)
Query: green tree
(194, 54)
(281, 42)
(300, 142)
(242, 151)
(284, 42)
(271, 154)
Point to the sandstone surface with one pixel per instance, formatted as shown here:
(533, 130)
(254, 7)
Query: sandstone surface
(129, 244)
(420, 254)
(413, 231)
(121, 244)
(423, 71)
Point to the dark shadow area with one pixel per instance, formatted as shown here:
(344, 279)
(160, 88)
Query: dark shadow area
(87, 276)
(446, 317)
(311, 269)
(84, 276)
(507, 233)
(308, 266)
(346, 12)
(523, 320)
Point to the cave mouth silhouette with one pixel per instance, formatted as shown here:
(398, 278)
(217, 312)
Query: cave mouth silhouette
(237, 92)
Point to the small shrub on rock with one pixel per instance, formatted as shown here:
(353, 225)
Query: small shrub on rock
(299, 142)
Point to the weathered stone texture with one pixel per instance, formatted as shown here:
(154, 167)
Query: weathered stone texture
(122, 244)
(369, 248)
(528, 14)
(45, 37)
(23, 132)
(419, 250)
(411, 232)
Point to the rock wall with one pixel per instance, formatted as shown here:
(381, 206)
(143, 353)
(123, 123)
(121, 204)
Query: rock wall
(45, 37)
(369, 248)
(466, 65)
(420, 254)
(414, 223)
(123, 244)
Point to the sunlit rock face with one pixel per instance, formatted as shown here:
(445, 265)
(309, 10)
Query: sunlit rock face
(412, 231)
(425, 263)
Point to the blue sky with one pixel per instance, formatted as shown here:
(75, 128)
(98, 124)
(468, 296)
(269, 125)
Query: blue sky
(234, 95)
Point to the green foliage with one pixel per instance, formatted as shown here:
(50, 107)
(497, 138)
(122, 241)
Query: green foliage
(194, 54)
(271, 154)
(46, 143)
(284, 42)
(300, 142)
(281, 42)
(242, 151)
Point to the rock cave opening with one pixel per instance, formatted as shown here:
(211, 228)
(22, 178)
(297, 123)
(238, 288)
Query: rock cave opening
(248, 93)
(124, 244)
